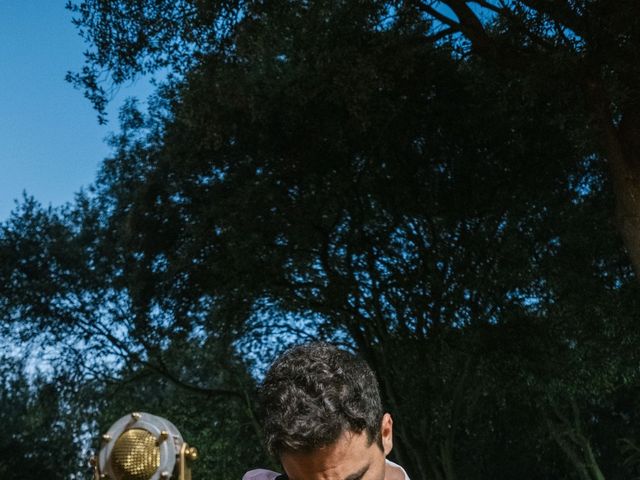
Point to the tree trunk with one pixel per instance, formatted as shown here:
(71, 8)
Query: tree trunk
(623, 151)
(622, 147)
(593, 466)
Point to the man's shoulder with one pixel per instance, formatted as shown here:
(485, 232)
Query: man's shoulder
(261, 474)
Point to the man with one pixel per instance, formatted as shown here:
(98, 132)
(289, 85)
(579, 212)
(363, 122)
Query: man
(324, 418)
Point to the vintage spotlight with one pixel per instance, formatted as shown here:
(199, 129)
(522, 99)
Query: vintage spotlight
(141, 446)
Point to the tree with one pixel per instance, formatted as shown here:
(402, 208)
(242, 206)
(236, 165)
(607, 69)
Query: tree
(41, 434)
(580, 47)
(586, 45)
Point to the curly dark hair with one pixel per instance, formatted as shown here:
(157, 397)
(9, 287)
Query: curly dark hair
(315, 392)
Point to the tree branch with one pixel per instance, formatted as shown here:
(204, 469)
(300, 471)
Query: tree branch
(557, 11)
(441, 34)
(471, 25)
(429, 10)
(489, 6)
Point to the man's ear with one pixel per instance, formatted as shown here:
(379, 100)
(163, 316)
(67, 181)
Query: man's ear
(386, 432)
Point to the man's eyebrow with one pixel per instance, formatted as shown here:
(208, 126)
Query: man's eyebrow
(358, 474)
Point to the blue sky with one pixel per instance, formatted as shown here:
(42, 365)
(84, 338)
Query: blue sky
(50, 141)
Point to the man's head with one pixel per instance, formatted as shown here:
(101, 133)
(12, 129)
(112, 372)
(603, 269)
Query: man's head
(323, 415)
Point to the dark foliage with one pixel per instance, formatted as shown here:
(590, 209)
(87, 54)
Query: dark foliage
(324, 169)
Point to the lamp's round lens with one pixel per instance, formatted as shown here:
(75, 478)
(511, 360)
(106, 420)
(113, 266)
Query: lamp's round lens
(135, 455)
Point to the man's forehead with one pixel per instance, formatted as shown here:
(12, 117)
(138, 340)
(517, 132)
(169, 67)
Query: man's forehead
(346, 459)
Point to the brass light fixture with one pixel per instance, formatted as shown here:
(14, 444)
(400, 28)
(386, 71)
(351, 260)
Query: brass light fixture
(141, 446)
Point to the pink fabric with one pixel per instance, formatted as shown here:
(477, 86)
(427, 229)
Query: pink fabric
(260, 474)
(389, 462)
